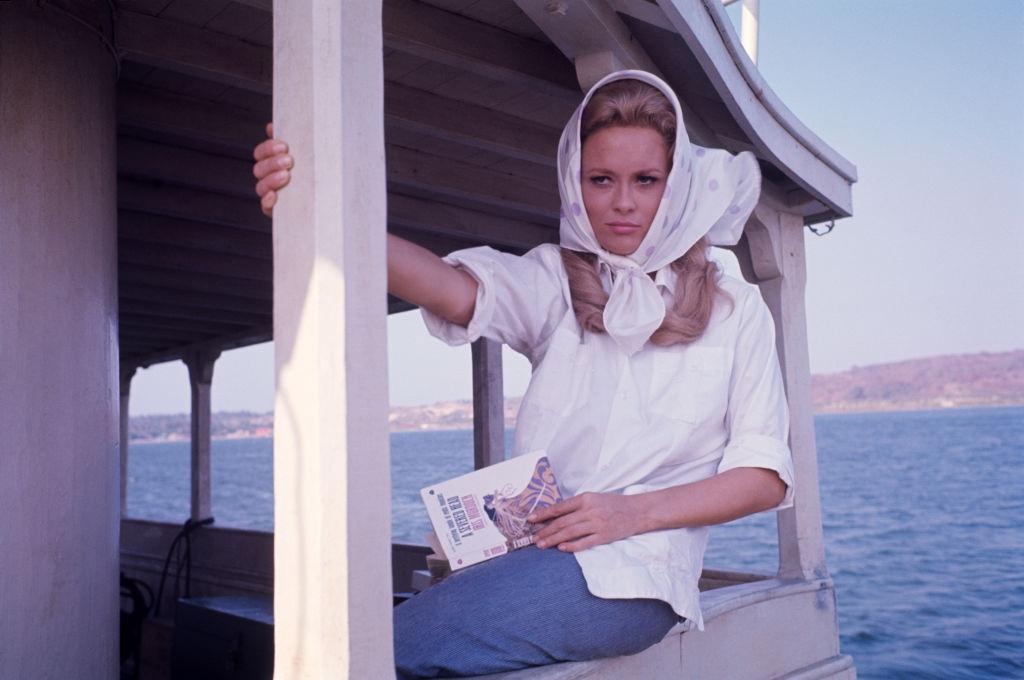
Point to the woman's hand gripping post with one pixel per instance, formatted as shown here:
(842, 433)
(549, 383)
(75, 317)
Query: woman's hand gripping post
(272, 170)
(586, 520)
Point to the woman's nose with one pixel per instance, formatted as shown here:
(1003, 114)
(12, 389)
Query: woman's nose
(624, 200)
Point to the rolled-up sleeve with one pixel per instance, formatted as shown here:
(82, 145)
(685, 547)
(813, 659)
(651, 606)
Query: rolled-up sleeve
(518, 299)
(758, 415)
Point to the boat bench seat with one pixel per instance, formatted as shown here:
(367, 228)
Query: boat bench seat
(767, 629)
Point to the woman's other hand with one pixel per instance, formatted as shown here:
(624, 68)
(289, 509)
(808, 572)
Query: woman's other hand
(586, 520)
(272, 170)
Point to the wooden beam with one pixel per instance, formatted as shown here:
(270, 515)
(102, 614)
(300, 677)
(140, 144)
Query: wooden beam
(645, 11)
(409, 26)
(441, 218)
(406, 108)
(206, 300)
(159, 198)
(159, 323)
(176, 336)
(421, 214)
(169, 337)
(130, 274)
(193, 118)
(173, 351)
(589, 28)
(448, 38)
(409, 169)
(194, 261)
(167, 311)
(162, 338)
(135, 346)
(188, 49)
(185, 167)
(165, 338)
(597, 40)
(409, 212)
(155, 229)
(265, 5)
(414, 213)
(419, 111)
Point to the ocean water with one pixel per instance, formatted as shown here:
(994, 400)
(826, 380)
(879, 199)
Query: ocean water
(922, 516)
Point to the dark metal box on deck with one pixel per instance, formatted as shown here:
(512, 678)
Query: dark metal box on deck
(223, 638)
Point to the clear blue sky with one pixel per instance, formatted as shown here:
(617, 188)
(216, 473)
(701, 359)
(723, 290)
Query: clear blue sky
(926, 98)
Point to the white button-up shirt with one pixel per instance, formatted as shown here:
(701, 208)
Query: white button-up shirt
(619, 424)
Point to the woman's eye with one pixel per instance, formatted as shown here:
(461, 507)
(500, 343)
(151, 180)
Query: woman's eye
(600, 180)
(647, 180)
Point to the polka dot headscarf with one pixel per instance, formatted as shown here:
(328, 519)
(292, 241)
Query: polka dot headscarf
(708, 192)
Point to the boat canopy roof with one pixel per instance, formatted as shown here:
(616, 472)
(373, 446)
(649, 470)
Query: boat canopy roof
(476, 94)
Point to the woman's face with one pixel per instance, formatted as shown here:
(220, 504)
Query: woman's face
(623, 172)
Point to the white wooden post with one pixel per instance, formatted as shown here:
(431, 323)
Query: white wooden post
(332, 547)
(127, 373)
(488, 404)
(772, 255)
(749, 27)
(200, 377)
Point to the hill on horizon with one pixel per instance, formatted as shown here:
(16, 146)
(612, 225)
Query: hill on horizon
(950, 381)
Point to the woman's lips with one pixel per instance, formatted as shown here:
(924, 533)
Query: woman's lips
(623, 228)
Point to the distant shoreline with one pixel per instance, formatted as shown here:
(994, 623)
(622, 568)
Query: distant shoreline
(462, 428)
(943, 383)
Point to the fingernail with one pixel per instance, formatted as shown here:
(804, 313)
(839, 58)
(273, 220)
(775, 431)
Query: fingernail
(542, 544)
(531, 518)
(280, 148)
(285, 162)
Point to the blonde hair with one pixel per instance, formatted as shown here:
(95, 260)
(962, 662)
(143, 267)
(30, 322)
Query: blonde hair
(632, 103)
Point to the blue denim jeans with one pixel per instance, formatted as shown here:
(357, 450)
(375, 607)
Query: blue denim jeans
(528, 608)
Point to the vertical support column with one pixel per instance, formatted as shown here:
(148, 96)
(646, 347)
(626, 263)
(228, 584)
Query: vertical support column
(127, 373)
(200, 377)
(58, 345)
(749, 20)
(772, 255)
(332, 548)
(488, 404)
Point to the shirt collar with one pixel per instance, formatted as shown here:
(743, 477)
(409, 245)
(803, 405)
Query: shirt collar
(666, 277)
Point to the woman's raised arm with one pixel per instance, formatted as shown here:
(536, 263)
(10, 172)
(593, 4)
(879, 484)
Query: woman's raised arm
(414, 274)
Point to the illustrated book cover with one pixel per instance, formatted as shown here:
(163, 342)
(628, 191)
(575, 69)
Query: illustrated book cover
(483, 514)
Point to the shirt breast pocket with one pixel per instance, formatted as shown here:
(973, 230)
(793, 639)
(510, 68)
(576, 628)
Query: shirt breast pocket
(690, 384)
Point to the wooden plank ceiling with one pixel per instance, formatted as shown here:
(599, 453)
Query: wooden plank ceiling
(475, 100)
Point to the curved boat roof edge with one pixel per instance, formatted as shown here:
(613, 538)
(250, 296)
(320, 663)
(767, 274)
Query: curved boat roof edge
(777, 133)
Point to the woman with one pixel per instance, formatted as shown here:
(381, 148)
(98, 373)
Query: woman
(656, 390)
